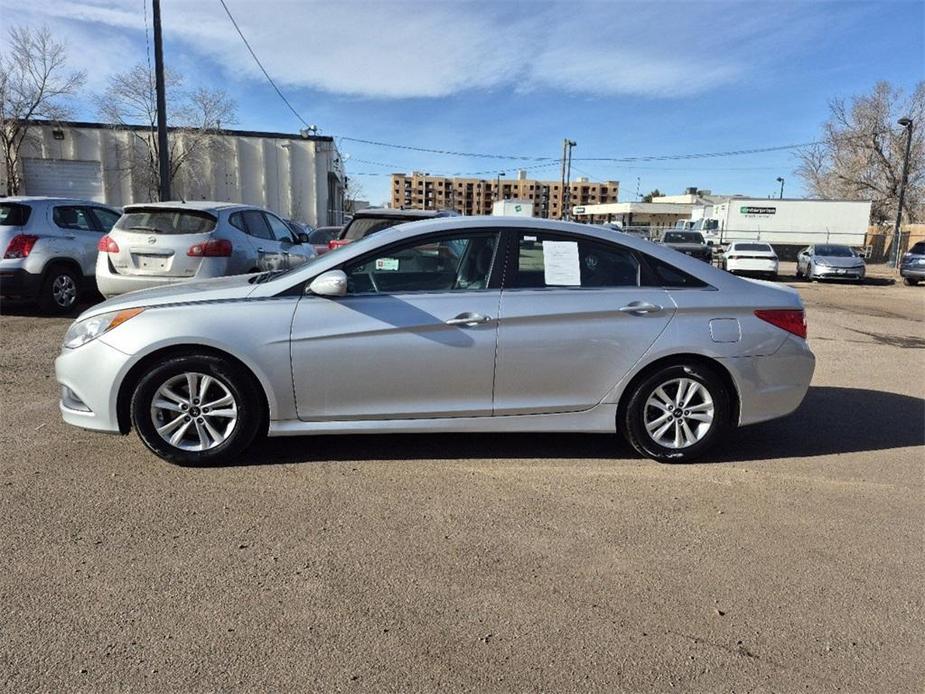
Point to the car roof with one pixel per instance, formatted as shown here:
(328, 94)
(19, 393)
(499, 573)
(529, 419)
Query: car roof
(403, 214)
(42, 198)
(198, 205)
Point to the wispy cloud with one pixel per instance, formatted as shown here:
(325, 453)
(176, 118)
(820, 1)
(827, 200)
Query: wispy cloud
(396, 50)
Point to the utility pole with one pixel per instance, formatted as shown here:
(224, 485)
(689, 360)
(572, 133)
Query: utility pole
(781, 181)
(897, 234)
(163, 153)
(567, 145)
(568, 181)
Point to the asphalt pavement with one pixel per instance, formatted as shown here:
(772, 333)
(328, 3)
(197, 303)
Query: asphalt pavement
(792, 560)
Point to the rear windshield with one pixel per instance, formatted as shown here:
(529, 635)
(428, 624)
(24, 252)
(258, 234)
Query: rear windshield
(13, 214)
(763, 247)
(828, 251)
(360, 227)
(683, 237)
(158, 220)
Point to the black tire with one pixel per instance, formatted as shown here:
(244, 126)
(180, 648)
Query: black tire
(60, 290)
(634, 413)
(909, 282)
(247, 400)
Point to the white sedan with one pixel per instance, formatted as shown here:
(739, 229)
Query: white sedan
(750, 257)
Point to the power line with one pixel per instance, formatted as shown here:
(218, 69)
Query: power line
(260, 65)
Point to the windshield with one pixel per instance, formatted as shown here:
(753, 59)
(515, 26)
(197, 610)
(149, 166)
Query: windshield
(13, 214)
(763, 247)
(333, 253)
(918, 249)
(828, 251)
(683, 237)
(361, 227)
(157, 220)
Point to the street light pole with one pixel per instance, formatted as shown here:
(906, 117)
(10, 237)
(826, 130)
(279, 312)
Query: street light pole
(897, 234)
(498, 186)
(163, 154)
(781, 181)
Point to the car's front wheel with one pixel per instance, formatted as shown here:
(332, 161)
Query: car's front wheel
(197, 410)
(909, 282)
(677, 413)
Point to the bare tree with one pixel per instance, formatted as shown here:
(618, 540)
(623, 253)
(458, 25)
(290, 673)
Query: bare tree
(194, 118)
(862, 149)
(33, 84)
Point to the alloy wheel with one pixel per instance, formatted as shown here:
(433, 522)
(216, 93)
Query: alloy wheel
(64, 291)
(679, 413)
(194, 411)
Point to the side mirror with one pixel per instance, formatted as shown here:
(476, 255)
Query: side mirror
(330, 283)
(303, 238)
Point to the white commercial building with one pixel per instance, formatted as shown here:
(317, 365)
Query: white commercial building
(299, 177)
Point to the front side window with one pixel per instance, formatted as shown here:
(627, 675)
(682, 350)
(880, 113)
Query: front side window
(73, 218)
(280, 231)
(458, 263)
(548, 261)
(256, 224)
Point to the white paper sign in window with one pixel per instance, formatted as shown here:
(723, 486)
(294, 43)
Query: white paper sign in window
(387, 264)
(560, 264)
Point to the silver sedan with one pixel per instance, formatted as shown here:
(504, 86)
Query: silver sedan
(471, 324)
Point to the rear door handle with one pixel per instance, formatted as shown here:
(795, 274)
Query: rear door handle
(638, 308)
(468, 320)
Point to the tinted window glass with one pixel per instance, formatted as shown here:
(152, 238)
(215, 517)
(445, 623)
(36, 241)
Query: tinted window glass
(13, 214)
(831, 251)
(682, 237)
(106, 218)
(256, 224)
(166, 221)
(763, 247)
(918, 249)
(280, 231)
(322, 235)
(662, 274)
(446, 264)
(548, 261)
(237, 221)
(364, 226)
(73, 218)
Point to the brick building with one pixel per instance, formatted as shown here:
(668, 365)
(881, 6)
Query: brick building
(474, 196)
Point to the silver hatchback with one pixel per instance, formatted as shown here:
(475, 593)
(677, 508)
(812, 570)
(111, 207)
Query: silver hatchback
(164, 243)
(467, 324)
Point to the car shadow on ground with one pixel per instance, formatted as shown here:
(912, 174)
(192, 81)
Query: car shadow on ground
(830, 421)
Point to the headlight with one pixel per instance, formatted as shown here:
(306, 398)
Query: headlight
(82, 332)
(820, 261)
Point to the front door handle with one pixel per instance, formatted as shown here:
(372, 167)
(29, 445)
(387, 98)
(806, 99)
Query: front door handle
(638, 308)
(468, 320)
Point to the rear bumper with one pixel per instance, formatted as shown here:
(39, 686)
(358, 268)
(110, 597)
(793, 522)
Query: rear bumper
(111, 283)
(775, 385)
(752, 265)
(19, 283)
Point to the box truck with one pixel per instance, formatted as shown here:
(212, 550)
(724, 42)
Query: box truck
(512, 208)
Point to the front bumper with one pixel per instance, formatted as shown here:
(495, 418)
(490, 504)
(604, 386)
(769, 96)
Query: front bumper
(838, 273)
(91, 374)
(913, 272)
(19, 282)
(772, 386)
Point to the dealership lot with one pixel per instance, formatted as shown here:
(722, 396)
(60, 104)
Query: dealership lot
(791, 561)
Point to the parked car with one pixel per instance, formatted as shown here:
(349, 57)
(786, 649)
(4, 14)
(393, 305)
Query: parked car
(49, 248)
(301, 229)
(373, 220)
(912, 265)
(168, 242)
(751, 257)
(322, 236)
(408, 330)
(689, 243)
(829, 261)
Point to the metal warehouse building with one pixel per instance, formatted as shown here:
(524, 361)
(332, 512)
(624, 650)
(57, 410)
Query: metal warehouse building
(300, 177)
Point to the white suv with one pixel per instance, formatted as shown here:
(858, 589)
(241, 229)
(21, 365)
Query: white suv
(162, 243)
(49, 248)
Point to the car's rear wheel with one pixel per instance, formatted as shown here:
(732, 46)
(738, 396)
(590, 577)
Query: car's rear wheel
(59, 291)
(197, 410)
(678, 412)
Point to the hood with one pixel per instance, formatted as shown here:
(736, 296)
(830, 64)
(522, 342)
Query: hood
(840, 262)
(234, 287)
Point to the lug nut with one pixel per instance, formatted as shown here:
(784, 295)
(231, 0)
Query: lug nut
(205, 409)
(186, 419)
(195, 401)
(199, 420)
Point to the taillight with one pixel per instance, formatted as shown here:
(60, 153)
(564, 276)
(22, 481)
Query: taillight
(107, 244)
(216, 248)
(20, 246)
(791, 320)
(337, 243)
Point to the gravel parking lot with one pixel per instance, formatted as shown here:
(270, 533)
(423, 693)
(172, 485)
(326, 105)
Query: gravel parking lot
(793, 561)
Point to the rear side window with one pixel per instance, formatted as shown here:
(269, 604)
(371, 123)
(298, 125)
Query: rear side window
(71, 217)
(658, 273)
(166, 221)
(13, 214)
(548, 261)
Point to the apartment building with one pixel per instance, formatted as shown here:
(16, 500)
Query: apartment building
(474, 196)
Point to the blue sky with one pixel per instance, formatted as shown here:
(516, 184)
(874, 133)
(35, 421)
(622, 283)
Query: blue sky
(622, 79)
